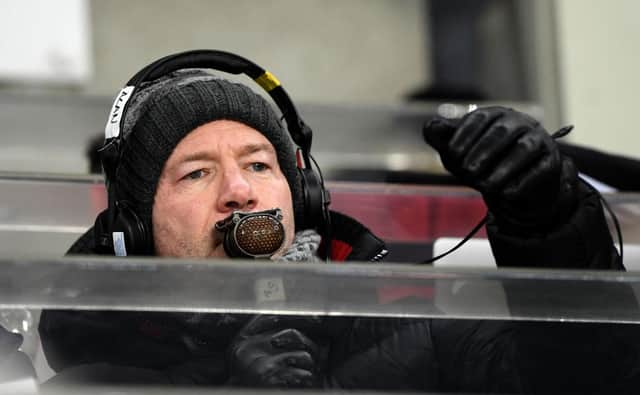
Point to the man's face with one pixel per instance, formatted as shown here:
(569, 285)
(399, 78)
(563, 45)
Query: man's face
(219, 167)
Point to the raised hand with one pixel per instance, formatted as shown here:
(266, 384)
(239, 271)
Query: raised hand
(512, 160)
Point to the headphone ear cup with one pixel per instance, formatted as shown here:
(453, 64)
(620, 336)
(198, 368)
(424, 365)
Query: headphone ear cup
(136, 237)
(314, 199)
(126, 221)
(101, 233)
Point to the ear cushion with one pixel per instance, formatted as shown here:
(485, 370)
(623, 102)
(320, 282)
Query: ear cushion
(102, 234)
(314, 196)
(125, 220)
(136, 237)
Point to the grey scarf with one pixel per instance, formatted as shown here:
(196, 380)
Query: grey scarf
(304, 247)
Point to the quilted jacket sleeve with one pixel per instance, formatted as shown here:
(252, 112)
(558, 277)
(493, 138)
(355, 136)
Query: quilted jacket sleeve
(583, 241)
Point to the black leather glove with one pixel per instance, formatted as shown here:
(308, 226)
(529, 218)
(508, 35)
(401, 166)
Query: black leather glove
(512, 160)
(269, 352)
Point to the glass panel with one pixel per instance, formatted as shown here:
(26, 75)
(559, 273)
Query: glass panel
(318, 289)
(41, 216)
(409, 218)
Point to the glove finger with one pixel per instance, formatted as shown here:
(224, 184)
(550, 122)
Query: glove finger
(292, 339)
(490, 148)
(295, 359)
(473, 126)
(291, 378)
(539, 182)
(438, 131)
(526, 151)
(251, 347)
(267, 323)
(259, 324)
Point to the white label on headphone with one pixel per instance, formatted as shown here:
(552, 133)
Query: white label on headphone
(112, 129)
(118, 244)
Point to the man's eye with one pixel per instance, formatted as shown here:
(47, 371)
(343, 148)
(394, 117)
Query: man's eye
(258, 166)
(194, 175)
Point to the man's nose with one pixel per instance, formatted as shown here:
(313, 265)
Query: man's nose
(236, 192)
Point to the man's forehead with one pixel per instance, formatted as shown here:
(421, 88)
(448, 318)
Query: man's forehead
(242, 142)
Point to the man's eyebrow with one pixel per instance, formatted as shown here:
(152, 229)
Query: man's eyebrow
(244, 151)
(252, 148)
(195, 156)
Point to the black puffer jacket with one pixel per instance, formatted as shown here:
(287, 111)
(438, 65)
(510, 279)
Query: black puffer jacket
(379, 353)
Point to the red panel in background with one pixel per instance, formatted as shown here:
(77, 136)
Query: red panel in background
(455, 216)
(396, 216)
(388, 216)
(392, 212)
(98, 197)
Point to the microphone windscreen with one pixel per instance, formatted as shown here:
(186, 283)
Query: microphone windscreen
(259, 235)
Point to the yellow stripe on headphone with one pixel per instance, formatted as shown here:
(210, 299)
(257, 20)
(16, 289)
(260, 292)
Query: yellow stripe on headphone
(268, 81)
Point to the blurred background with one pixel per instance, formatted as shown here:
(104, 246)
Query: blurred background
(365, 73)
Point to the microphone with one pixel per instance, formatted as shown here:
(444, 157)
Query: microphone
(257, 234)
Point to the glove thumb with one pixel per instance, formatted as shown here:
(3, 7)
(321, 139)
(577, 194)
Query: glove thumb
(438, 131)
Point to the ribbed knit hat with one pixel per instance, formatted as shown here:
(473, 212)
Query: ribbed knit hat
(164, 111)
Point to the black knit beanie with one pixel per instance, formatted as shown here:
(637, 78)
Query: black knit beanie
(164, 111)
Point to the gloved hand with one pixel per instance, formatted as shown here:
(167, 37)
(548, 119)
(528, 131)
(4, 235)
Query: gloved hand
(512, 160)
(269, 352)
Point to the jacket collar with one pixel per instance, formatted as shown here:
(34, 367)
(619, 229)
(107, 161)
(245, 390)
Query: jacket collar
(352, 241)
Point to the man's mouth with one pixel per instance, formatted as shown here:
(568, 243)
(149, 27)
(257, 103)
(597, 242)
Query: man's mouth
(257, 234)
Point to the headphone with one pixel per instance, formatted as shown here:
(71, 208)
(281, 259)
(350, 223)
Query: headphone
(119, 230)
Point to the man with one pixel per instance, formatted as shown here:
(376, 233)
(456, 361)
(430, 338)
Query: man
(198, 148)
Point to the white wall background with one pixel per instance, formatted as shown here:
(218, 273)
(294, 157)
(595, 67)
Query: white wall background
(321, 50)
(45, 41)
(330, 52)
(599, 49)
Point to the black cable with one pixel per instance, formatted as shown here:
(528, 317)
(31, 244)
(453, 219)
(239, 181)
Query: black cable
(325, 212)
(461, 242)
(563, 132)
(560, 133)
(613, 216)
(616, 224)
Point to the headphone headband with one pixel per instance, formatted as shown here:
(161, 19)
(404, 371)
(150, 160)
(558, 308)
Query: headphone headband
(217, 60)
